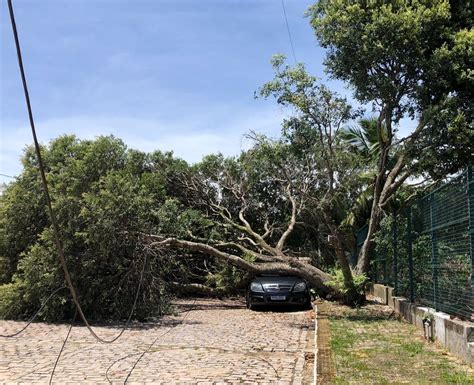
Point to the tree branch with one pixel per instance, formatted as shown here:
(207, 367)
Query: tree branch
(255, 235)
(291, 225)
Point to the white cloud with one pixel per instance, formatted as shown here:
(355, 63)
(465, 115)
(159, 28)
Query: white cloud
(189, 137)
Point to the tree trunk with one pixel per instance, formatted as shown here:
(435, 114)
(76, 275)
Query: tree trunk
(196, 289)
(282, 265)
(363, 263)
(384, 190)
(352, 296)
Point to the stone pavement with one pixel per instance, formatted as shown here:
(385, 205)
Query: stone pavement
(209, 342)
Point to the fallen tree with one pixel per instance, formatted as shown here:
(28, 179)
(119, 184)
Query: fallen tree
(277, 263)
(254, 203)
(258, 201)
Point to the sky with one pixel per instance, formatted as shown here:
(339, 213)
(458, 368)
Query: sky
(165, 75)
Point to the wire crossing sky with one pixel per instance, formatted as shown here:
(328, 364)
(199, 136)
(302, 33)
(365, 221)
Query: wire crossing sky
(289, 32)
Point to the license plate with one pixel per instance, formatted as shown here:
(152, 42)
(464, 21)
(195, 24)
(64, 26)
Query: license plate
(277, 297)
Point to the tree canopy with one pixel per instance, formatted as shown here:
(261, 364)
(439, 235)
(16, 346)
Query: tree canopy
(409, 59)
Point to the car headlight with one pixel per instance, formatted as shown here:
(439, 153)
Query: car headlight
(300, 286)
(255, 286)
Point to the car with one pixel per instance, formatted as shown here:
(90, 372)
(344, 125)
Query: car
(278, 290)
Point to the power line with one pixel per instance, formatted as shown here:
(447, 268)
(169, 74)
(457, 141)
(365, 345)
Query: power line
(62, 348)
(154, 342)
(34, 316)
(147, 349)
(192, 307)
(288, 29)
(8, 176)
(54, 223)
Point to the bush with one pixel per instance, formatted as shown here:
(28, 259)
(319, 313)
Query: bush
(11, 301)
(103, 194)
(337, 283)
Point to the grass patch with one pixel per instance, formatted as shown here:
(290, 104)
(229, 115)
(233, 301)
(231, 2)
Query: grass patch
(342, 340)
(412, 348)
(370, 346)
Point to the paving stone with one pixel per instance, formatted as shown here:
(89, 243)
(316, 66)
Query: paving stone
(217, 342)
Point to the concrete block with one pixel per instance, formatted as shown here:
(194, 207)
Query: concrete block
(419, 315)
(390, 297)
(380, 293)
(470, 353)
(470, 335)
(404, 308)
(456, 337)
(369, 288)
(440, 326)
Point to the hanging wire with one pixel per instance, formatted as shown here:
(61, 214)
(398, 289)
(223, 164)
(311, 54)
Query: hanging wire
(62, 348)
(8, 176)
(288, 29)
(54, 223)
(34, 316)
(141, 354)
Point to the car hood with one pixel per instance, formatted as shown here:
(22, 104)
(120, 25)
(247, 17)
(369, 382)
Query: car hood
(278, 280)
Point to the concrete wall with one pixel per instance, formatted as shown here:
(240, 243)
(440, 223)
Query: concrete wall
(456, 335)
(380, 293)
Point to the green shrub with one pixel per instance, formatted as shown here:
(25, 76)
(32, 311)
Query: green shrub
(337, 282)
(11, 300)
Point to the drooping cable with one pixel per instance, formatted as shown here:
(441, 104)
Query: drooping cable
(141, 354)
(8, 176)
(155, 340)
(62, 348)
(34, 315)
(288, 29)
(54, 223)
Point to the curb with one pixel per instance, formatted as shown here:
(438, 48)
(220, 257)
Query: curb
(315, 370)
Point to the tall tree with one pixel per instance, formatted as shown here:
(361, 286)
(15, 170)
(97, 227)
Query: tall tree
(255, 202)
(409, 59)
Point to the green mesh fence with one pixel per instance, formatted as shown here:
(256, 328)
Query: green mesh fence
(425, 251)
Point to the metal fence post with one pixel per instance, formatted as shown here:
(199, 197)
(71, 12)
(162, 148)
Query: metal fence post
(410, 255)
(374, 270)
(385, 281)
(470, 212)
(395, 253)
(434, 252)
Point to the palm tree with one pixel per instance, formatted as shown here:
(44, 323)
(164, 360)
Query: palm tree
(364, 138)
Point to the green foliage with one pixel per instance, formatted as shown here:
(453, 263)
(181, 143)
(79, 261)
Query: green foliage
(227, 278)
(364, 138)
(337, 282)
(103, 195)
(314, 135)
(410, 58)
(11, 304)
(22, 218)
(379, 47)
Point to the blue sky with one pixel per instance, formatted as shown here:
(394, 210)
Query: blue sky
(164, 74)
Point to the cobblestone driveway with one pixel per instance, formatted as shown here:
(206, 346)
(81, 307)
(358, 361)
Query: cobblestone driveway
(216, 342)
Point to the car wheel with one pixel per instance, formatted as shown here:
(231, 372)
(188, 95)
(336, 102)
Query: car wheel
(248, 303)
